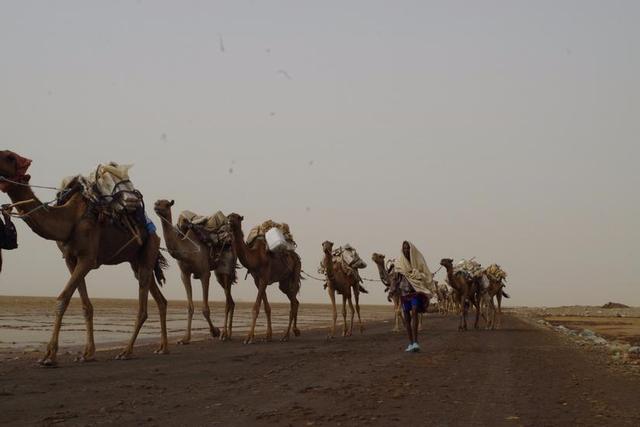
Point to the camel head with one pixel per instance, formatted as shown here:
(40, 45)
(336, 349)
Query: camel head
(235, 221)
(446, 262)
(163, 208)
(378, 258)
(13, 167)
(327, 247)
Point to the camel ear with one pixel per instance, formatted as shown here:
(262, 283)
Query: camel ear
(241, 218)
(171, 202)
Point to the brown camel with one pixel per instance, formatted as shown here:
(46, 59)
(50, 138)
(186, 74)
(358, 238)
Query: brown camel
(194, 258)
(266, 268)
(494, 290)
(347, 285)
(467, 292)
(386, 278)
(86, 244)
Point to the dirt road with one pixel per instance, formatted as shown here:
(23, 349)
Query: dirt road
(520, 375)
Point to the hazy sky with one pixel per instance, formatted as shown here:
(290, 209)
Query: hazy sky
(505, 130)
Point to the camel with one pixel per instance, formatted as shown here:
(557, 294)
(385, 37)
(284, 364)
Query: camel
(87, 244)
(495, 289)
(266, 268)
(467, 292)
(386, 278)
(345, 284)
(194, 259)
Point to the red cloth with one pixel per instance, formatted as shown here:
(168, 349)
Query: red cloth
(22, 164)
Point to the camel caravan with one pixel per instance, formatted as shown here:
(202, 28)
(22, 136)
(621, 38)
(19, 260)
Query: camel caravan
(99, 219)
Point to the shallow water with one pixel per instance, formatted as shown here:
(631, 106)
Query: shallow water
(26, 322)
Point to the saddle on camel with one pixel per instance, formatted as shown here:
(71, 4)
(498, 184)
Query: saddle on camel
(214, 232)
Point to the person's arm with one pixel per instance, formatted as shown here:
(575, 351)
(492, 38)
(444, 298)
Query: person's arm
(9, 235)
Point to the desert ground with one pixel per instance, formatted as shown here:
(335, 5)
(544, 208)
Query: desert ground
(527, 373)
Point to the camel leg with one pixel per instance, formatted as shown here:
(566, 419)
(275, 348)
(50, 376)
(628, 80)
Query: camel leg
(352, 312)
(344, 316)
(161, 302)
(87, 310)
(255, 311)
(492, 310)
(89, 354)
(145, 276)
(186, 281)
(267, 311)
(293, 313)
(398, 314)
(229, 308)
(499, 299)
(464, 307)
(476, 304)
(296, 307)
(206, 311)
(332, 297)
(79, 272)
(357, 297)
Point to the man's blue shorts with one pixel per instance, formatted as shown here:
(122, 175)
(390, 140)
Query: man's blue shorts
(417, 300)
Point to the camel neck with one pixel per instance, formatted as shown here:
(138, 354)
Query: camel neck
(382, 272)
(450, 276)
(173, 242)
(246, 255)
(51, 223)
(328, 266)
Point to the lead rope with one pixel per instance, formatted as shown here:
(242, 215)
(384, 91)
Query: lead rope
(43, 205)
(184, 236)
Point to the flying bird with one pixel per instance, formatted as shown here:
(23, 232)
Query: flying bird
(285, 74)
(221, 43)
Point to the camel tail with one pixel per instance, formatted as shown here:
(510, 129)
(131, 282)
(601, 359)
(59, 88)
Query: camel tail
(362, 289)
(158, 269)
(506, 295)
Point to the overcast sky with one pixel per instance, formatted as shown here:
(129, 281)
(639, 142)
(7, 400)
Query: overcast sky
(504, 130)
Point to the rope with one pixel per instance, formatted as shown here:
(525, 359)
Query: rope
(184, 236)
(324, 280)
(311, 277)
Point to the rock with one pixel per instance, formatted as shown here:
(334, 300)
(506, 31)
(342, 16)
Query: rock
(614, 305)
(599, 341)
(634, 351)
(587, 333)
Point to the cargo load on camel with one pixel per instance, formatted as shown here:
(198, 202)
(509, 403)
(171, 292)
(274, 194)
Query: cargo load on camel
(277, 235)
(214, 232)
(112, 197)
(496, 273)
(470, 268)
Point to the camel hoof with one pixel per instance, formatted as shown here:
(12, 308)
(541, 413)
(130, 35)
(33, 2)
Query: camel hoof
(296, 332)
(125, 355)
(215, 332)
(225, 337)
(47, 363)
(184, 341)
(85, 359)
(284, 338)
(162, 351)
(248, 340)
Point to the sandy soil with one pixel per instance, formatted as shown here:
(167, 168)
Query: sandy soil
(521, 375)
(616, 325)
